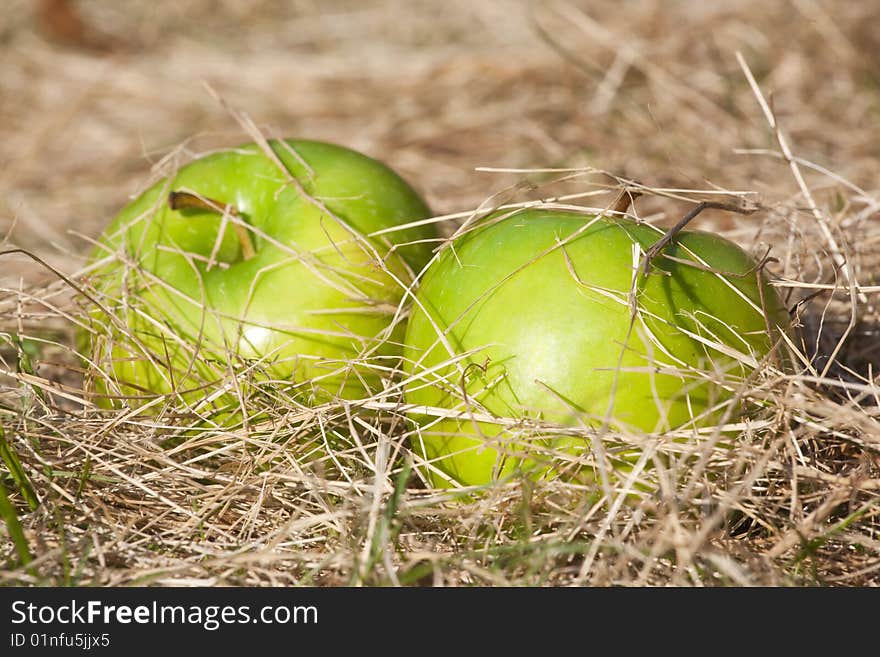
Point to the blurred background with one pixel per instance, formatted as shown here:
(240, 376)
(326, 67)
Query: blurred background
(96, 94)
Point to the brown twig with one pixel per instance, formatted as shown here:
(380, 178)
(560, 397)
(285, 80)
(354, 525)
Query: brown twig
(670, 234)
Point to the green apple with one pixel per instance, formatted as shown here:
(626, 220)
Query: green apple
(546, 315)
(264, 264)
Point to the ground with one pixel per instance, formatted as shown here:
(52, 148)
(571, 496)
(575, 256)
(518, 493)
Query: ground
(771, 103)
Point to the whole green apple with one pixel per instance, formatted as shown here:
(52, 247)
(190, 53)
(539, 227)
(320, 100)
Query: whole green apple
(260, 263)
(547, 315)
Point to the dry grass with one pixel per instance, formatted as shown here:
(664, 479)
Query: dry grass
(468, 101)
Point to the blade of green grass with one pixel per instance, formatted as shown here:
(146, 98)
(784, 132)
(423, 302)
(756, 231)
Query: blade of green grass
(389, 529)
(17, 472)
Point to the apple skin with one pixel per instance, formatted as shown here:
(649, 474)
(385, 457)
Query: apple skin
(314, 305)
(545, 333)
